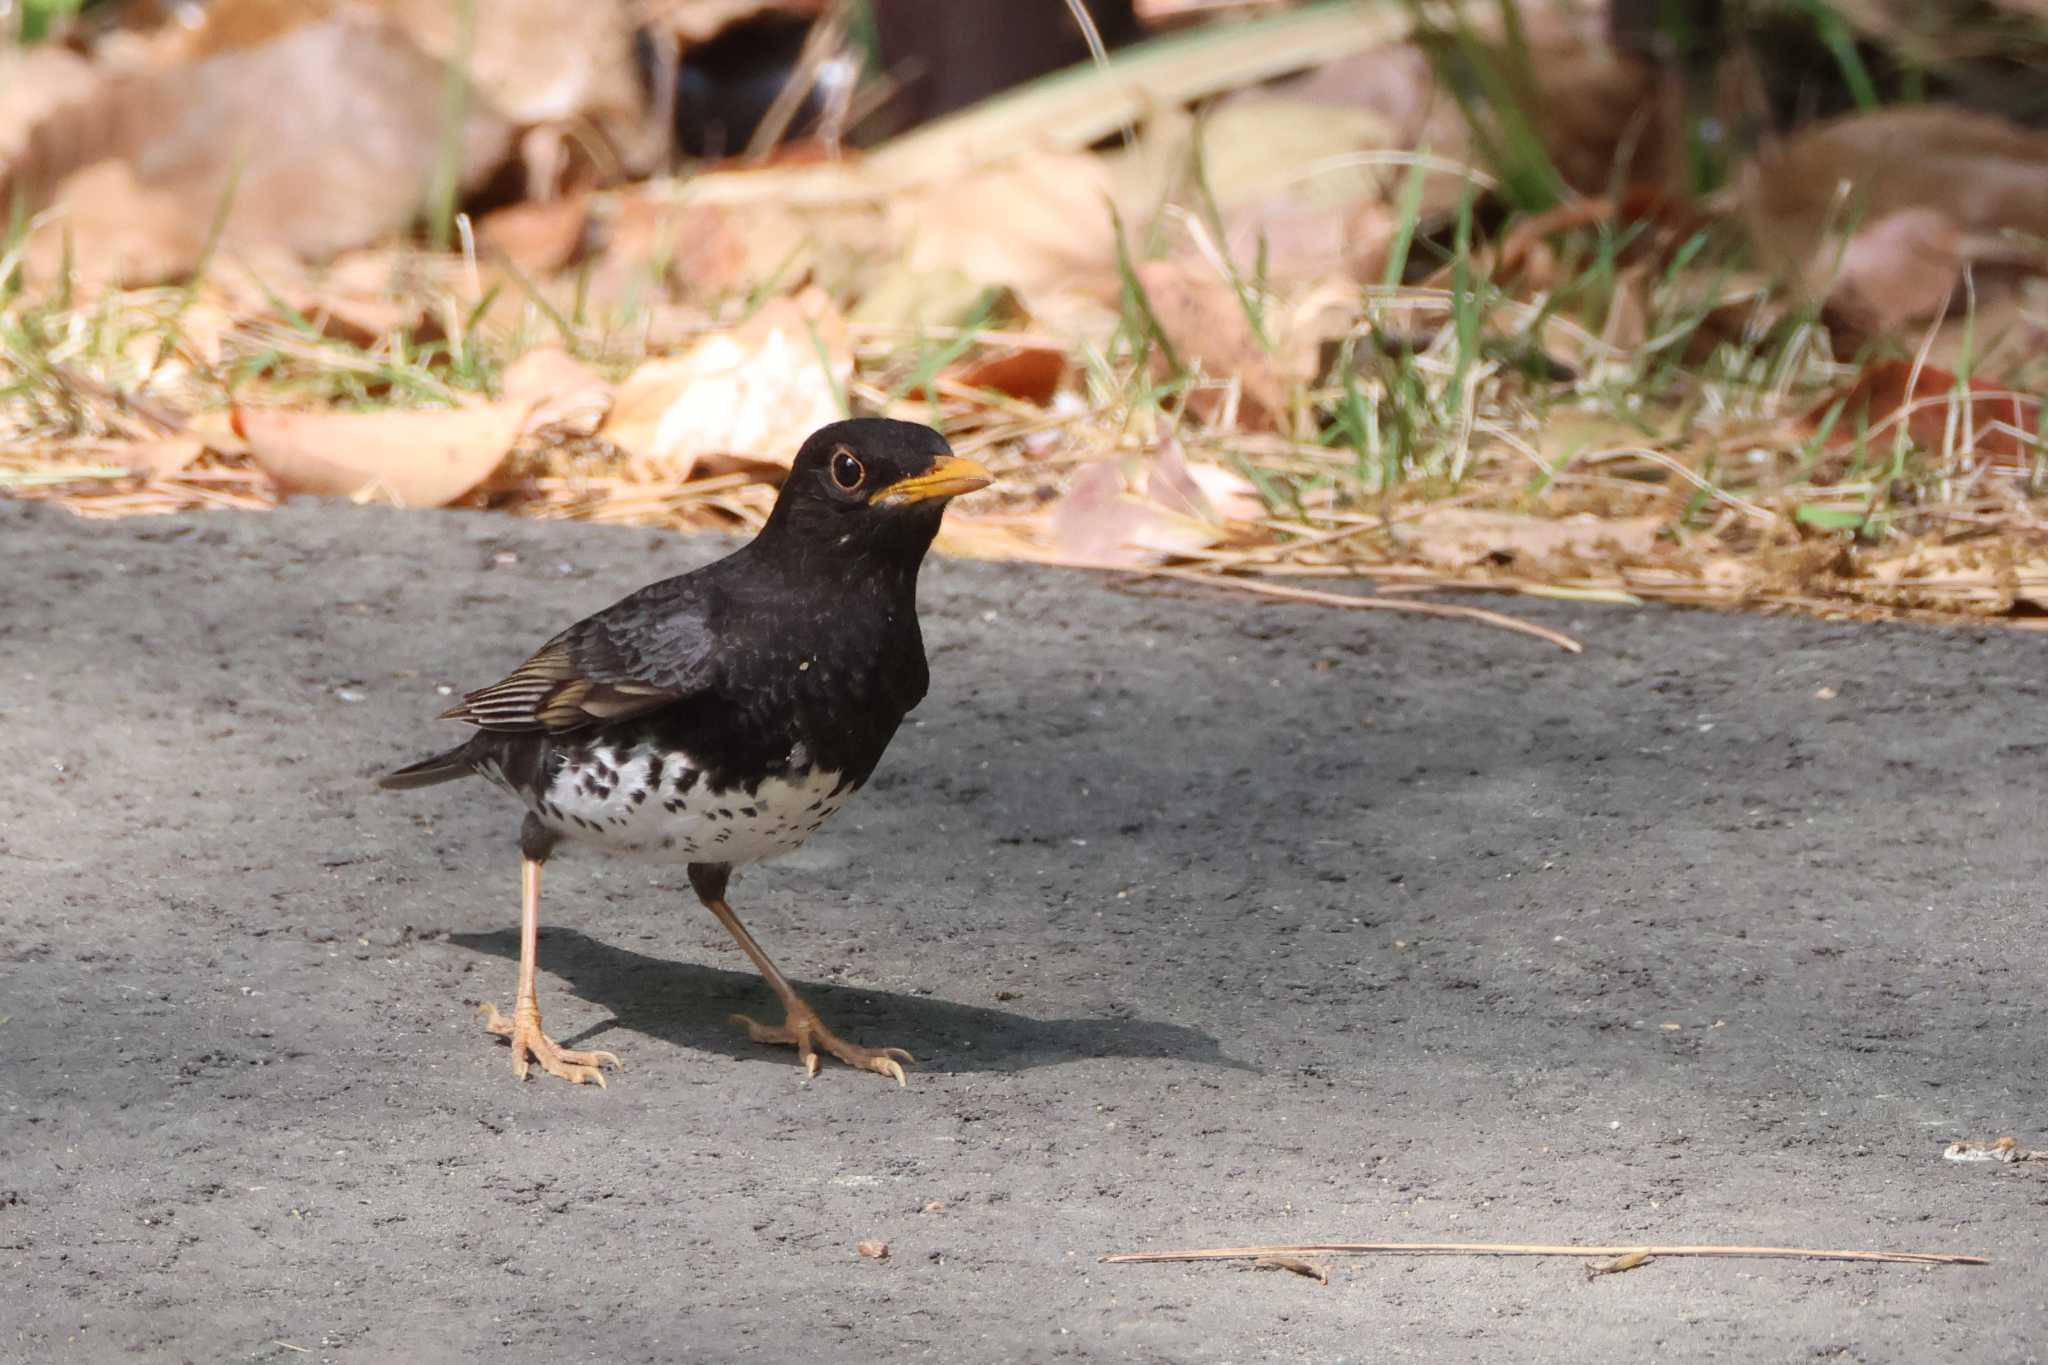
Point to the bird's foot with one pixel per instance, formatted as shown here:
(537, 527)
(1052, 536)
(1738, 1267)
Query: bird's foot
(803, 1030)
(530, 1045)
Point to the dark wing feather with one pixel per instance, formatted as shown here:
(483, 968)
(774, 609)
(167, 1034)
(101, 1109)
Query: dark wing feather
(643, 652)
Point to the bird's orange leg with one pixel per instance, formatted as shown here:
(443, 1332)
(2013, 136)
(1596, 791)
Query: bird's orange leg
(801, 1028)
(529, 1044)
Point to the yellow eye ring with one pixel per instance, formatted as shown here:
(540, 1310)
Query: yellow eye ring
(847, 470)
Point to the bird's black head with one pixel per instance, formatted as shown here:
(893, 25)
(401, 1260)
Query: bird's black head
(873, 486)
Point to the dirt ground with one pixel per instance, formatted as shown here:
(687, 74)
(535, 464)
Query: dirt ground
(1209, 922)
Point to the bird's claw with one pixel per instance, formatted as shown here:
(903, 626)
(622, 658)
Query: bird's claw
(806, 1032)
(530, 1045)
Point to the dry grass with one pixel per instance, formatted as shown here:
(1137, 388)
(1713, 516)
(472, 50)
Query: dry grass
(1468, 435)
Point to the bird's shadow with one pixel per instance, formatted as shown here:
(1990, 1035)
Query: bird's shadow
(690, 1005)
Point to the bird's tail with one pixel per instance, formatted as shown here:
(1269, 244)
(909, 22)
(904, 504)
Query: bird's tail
(428, 771)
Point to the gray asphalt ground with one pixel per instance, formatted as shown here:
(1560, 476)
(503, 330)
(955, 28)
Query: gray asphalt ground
(1210, 921)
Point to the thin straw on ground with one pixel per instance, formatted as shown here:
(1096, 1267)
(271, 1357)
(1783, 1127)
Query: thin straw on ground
(1539, 1249)
(1262, 588)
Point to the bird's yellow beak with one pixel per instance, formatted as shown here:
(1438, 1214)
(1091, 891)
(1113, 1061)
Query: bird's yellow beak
(949, 478)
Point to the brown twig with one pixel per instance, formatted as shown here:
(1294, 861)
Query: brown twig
(1290, 593)
(1536, 1249)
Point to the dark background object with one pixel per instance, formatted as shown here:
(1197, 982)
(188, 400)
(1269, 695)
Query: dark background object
(943, 57)
(949, 55)
(1808, 62)
(724, 87)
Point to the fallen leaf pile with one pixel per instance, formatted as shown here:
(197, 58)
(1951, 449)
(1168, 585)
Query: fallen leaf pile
(1253, 301)
(2005, 1150)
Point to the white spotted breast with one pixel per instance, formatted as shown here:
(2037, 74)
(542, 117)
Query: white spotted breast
(660, 806)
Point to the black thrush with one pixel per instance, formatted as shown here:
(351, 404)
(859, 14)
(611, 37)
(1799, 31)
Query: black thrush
(720, 717)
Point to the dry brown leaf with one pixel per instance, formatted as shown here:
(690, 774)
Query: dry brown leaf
(1205, 323)
(1396, 82)
(352, 163)
(1901, 269)
(539, 61)
(1998, 327)
(1208, 491)
(1662, 223)
(1298, 187)
(1230, 496)
(1037, 224)
(1031, 373)
(1304, 244)
(708, 251)
(2006, 1150)
(216, 428)
(2000, 427)
(1985, 177)
(895, 296)
(361, 297)
(758, 390)
(1982, 171)
(1625, 1262)
(1255, 147)
(164, 456)
(568, 396)
(416, 458)
(632, 246)
(1570, 435)
(1627, 324)
(721, 251)
(1464, 536)
(1142, 510)
(1100, 521)
(1170, 485)
(349, 165)
(1294, 1265)
(109, 228)
(1599, 116)
(539, 236)
(873, 1248)
(37, 84)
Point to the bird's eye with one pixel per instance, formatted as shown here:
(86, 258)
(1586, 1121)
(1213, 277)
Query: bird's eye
(847, 470)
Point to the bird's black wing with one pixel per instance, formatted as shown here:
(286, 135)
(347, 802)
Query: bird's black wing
(641, 653)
